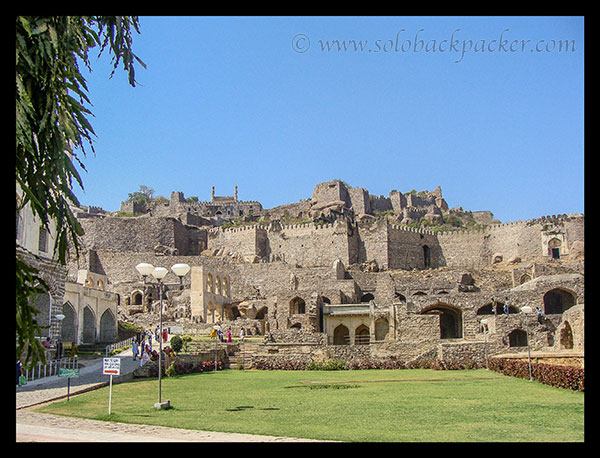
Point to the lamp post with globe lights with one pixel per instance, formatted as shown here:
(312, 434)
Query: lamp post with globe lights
(159, 274)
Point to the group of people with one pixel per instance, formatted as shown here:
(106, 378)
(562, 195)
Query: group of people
(142, 345)
(218, 333)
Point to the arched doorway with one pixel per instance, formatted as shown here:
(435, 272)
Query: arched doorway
(557, 300)
(362, 336)
(382, 328)
(89, 326)
(426, 256)
(517, 338)
(136, 298)
(341, 335)
(108, 327)
(68, 331)
(566, 337)
(554, 248)
(450, 320)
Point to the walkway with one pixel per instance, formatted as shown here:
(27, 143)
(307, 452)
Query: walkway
(33, 426)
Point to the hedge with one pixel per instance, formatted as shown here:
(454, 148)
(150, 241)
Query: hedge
(567, 377)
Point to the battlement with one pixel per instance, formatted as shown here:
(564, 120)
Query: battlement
(542, 220)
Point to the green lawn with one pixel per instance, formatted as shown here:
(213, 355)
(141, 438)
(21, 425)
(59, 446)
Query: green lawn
(370, 405)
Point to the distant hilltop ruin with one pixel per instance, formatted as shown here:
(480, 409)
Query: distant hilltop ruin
(330, 200)
(414, 230)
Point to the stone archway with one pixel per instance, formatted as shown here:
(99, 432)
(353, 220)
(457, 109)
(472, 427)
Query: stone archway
(341, 335)
(108, 327)
(517, 338)
(68, 331)
(382, 328)
(89, 326)
(557, 300)
(362, 336)
(450, 319)
(297, 306)
(566, 337)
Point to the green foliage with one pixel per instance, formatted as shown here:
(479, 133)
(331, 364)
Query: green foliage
(379, 405)
(52, 111)
(176, 343)
(28, 286)
(330, 365)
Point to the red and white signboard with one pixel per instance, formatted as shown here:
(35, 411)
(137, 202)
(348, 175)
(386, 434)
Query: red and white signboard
(111, 366)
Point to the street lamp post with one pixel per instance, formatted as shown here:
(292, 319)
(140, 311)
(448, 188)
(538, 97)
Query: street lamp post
(484, 324)
(527, 310)
(159, 273)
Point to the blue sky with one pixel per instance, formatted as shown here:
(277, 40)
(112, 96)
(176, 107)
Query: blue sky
(263, 103)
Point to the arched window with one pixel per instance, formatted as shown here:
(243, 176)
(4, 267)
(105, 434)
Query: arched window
(297, 306)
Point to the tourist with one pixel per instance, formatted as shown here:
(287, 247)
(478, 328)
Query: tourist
(241, 334)
(134, 349)
(228, 333)
(540, 315)
(19, 370)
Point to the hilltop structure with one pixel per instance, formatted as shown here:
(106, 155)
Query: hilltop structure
(348, 275)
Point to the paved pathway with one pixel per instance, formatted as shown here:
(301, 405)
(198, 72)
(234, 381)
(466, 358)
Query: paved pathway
(34, 426)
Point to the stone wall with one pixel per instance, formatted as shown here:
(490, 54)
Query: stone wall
(527, 240)
(141, 234)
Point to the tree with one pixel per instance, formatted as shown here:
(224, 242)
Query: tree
(51, 124)
(144, 196)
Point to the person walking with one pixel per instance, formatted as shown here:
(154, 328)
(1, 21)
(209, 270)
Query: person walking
(134, 349)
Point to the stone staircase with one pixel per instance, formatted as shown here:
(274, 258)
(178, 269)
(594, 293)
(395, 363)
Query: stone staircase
(242, 357)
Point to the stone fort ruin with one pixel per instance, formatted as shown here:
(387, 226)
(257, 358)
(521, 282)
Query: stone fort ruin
(348, 275)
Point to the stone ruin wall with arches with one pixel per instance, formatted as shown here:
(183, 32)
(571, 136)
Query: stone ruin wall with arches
(356, 287)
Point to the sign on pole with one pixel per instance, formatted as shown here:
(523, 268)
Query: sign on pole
(111, 366)
(68, 373)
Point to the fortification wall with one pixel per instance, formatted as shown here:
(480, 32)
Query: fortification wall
(311, 245)
(413, 248)
(141, 234)
(527, 239)
(244, 241)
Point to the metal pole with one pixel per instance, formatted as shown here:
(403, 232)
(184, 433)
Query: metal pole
(528, 347)
(160, 339)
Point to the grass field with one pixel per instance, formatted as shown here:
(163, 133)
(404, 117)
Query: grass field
(370, 405)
